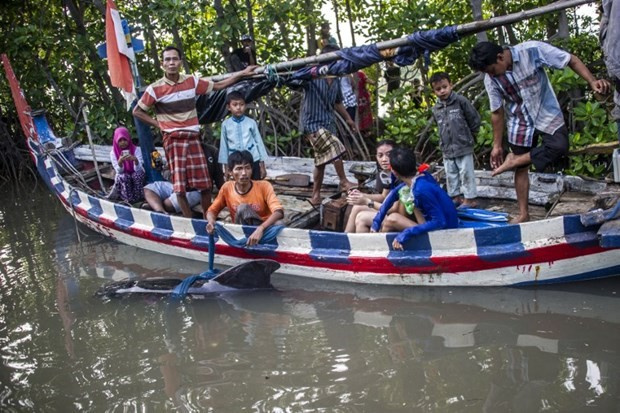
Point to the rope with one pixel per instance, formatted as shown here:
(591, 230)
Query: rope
(272, 75)
(62, 163)
(269, 235)
(181, 290)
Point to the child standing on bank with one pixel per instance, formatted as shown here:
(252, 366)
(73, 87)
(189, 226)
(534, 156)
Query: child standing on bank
(459, 123)
(240, 133)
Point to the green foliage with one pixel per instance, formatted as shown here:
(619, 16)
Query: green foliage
(484, 139)
(282, 144)
(565, 80)
(596, 128)
(586, 165)
(405, 123)
(52, 48)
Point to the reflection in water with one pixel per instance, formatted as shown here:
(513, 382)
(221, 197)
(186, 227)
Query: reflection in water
(309, 345)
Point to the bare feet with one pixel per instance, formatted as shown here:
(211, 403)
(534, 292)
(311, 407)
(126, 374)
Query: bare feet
(315, 201)
(508, 164)
(520, 218)
(469, 203)
(457, 200)
(346, 186)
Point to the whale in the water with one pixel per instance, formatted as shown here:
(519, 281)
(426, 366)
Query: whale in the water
(251, 275)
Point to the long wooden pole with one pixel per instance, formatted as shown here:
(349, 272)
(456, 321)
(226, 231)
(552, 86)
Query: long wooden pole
(462, 29)
(92, 146)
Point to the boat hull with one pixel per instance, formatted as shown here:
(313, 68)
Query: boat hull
(551, 251)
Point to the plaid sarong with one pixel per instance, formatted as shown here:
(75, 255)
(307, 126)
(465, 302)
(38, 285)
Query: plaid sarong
(188, 165)
(326, 146)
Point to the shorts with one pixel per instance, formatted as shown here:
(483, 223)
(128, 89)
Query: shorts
(553, 147)
(164, 190)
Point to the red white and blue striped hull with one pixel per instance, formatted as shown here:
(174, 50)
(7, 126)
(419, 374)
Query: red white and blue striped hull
(551, 251)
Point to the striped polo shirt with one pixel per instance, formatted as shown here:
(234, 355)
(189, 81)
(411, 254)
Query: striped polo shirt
(527, 94)
(318, 108)
(174, 103)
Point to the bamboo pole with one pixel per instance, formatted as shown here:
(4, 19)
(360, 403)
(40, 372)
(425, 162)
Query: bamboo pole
(92, 146)
(465, 29)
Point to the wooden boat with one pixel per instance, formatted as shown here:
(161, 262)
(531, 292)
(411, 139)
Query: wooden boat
(553, 250)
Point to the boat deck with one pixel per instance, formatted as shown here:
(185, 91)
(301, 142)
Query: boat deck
(550, 194)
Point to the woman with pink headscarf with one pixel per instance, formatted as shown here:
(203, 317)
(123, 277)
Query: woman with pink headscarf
(127, 161)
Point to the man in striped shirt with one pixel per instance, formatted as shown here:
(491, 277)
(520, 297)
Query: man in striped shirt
(322, 97)
(515, 76)
(173, 99)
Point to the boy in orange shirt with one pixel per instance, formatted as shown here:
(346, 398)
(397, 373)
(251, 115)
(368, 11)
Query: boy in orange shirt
(249, 202)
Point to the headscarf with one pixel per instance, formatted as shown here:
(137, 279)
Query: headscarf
(123, 133)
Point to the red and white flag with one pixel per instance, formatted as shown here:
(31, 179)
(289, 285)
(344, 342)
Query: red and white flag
(119, 54)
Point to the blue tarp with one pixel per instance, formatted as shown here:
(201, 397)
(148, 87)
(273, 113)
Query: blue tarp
(212, 107)
(353, 59)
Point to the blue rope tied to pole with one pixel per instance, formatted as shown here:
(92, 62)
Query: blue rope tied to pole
(272, 75)
(180, 291)
(269, 235)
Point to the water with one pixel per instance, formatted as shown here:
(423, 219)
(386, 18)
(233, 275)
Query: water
(309, 346)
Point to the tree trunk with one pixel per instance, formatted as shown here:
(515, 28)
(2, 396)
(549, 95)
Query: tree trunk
(225, 50)
(103, 82)
(310, 29)
(100, 6)
(250, 18)
(59, 93)
(500, 8)
(563, 30)
(500, 35)
(178, 42)
(285, 38)
(512, 37)
(476, 8)
(350, 18)
(335, 5)
(152, 48)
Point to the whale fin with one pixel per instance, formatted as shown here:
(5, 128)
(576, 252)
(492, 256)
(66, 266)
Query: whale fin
(255, 274)
(249, 275)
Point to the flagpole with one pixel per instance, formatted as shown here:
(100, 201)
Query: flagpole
(465, 29)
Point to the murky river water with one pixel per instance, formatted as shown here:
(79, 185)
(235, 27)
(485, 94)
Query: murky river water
(308, 346)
